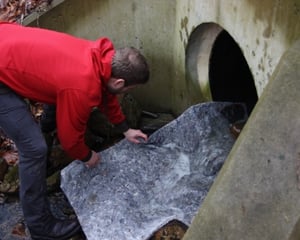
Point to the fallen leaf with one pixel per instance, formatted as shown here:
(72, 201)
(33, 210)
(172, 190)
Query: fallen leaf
(19, 230)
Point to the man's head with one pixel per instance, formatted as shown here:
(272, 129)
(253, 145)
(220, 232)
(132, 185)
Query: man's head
(129, 69)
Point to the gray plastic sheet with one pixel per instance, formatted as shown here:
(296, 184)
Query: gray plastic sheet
(136, 189)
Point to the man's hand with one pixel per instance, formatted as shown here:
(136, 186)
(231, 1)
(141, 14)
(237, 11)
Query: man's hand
(135, 135)
(94, 160)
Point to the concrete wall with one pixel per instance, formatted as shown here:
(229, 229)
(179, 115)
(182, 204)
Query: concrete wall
(256, 194)
(146, 25)
(264, 30)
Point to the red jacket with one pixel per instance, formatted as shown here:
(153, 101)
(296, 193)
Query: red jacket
(56, 68)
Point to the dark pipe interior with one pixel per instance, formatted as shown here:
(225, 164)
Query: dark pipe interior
(229, 74)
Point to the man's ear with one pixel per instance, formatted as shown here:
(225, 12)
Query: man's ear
(117, 83)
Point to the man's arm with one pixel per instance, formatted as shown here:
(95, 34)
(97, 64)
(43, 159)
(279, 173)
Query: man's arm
(114, 113)
(73, 111)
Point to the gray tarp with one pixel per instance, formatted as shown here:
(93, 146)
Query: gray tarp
(139, 188)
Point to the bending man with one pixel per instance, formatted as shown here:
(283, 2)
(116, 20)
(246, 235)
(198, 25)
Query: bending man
(74, 74)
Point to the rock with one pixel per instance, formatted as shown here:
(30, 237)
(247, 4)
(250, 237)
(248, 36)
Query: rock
(3, 198)
(99, 124)
(173, 230)
(3, 168)
(151, 124)
(131, 110)
(137, 189)
(10, 183)
(101, 133)
(53, 182)
(236, 128)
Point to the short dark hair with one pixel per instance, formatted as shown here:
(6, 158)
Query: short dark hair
(129, 64)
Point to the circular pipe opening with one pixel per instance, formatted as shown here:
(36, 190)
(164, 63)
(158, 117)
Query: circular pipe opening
(217, 66)
(229, 75)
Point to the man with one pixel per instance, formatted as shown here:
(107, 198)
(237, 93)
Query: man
(75, 75)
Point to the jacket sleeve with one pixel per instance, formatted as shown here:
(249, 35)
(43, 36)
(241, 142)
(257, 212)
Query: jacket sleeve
(72, 115)
(111, 108)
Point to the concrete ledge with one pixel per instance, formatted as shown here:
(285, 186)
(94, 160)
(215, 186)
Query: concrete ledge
(36, 14)
(257, 193)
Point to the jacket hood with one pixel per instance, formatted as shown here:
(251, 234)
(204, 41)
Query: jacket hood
(102, 54)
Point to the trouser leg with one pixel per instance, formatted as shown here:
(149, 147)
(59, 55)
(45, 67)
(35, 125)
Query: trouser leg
(19, 124)
(48, 125)
(48, 118)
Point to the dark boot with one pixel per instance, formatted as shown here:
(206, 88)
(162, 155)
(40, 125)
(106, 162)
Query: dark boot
(40, 221)
(55, 229)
